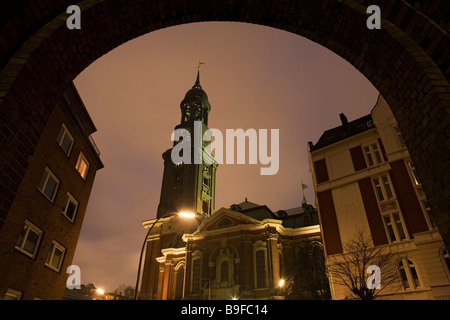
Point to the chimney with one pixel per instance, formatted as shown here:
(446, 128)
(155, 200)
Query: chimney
(344, 121)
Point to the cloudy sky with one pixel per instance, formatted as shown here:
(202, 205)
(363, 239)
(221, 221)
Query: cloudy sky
(255, 77)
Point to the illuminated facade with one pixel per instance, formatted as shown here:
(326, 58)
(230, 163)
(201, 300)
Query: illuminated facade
(240, 252)
(364, 179)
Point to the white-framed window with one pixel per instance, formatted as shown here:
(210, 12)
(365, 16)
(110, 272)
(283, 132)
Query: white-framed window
(408, 274)
(383, 188)
(65, 140)
(49, 184)
(82, 166)
(12, 294)
(55, 256)
(29, 239)
(394, 226)
(70, 207)
(372, 154)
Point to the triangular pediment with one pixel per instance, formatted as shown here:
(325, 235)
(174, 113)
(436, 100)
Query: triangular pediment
(226, 218)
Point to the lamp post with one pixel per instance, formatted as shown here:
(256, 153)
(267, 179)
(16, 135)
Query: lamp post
(183, 214)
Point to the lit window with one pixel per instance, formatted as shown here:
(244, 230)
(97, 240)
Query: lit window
(372, 153)
(383, 188)
(65, 140)
(49, 184)
(260, 269)
(29, 239)
(12, 294)
(394, 226)
(82, 166)
(70, 207)
(55, 256)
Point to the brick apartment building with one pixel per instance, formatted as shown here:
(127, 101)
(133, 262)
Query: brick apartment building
(364, 179)
(40, 232)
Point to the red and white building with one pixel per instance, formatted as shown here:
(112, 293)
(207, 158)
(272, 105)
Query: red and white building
(364, 179)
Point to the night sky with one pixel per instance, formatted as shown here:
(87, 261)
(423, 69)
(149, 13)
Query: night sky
(255, 77)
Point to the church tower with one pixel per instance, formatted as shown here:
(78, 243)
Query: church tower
(190, 185)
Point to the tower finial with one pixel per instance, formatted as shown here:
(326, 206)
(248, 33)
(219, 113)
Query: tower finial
(197, 82)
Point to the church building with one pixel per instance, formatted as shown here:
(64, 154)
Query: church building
(242, 252)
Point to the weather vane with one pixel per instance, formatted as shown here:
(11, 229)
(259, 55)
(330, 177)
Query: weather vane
(200, 63)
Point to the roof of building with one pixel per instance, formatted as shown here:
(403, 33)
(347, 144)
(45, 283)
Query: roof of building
(77, 294)
(347, 129)
(291, 218)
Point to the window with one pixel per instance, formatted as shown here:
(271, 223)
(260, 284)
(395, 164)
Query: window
(179, 283)
(394, 227)
(70, 207)
(205, 207)
(82, 166)
(372, 153)
(224, 271)
(12, 294)
(260, 269)
(412, 168)
(408, 274)
(55, 256)
(65, 140)
(49, 184)
(446, 258)
(400, 137)
(383, 188)
(29, 239)
(196, 275)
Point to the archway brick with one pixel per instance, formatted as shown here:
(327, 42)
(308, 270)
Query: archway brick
(407, 61)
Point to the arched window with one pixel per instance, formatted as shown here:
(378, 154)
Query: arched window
(408, 273)
(179, 283)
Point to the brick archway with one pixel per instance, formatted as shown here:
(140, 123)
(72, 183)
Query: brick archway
(407, 61)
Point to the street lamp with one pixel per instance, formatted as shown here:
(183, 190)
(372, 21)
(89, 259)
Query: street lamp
(281, 284)
(183, 214)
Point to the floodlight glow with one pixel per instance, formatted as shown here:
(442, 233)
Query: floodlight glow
(186, 214)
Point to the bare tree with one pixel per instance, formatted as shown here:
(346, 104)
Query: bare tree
(124, 292)
(356, 268)
(307, 278)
